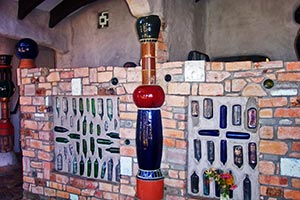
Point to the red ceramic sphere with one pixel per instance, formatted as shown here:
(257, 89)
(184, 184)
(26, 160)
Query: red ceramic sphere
(148, 96)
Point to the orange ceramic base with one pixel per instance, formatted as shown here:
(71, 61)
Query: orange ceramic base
(26, 63)
(149, 190)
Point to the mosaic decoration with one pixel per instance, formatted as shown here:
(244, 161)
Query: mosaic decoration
(87, 136)
(223, 135)
(149, 97)
(103, 19)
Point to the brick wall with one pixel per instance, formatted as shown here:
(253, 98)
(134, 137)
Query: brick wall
(279, 112)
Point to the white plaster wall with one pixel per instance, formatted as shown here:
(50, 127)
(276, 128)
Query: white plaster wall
(34, 26)
(251, 27)
(184, 27)
(111, 46)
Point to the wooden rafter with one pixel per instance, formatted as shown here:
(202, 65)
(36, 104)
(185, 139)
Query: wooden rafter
(25, 7)
(65, 8)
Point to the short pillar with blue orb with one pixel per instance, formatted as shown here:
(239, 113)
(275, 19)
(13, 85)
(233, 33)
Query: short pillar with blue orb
(27, 50)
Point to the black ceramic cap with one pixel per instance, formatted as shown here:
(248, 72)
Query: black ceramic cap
(148, 28)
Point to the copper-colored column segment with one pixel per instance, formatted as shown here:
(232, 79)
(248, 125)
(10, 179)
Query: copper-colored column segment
(148, 63)
(5, 111)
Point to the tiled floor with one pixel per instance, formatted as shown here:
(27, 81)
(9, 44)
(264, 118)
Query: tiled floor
(11, 182)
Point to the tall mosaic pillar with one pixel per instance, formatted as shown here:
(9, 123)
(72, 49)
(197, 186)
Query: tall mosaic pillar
(7, 88)
(149, 97)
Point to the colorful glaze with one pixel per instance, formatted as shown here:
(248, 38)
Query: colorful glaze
(149, 139)
(148, 96)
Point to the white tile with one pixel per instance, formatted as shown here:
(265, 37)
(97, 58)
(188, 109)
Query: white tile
(76, 86)
(194, 71)
(290, 167)
(126, 166)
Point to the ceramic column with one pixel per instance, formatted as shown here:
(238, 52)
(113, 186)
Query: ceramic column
(149, 97)
(6, 128)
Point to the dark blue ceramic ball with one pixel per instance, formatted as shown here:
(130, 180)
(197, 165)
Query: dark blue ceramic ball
(27, 48)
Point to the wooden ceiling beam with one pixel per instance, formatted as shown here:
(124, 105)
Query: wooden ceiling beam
(25, 7)
(65, 8)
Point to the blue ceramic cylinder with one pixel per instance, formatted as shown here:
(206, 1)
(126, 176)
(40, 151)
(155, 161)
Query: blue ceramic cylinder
(149, 139)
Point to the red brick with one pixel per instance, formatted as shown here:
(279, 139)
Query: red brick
(169, 123)
(36, 144)
(273, 180)
(48, 167)
(287, 112)
(266, 132)
(30, 109)
(169, 142)
(28, 153)
(274, 192)
(109, 195)
(81, 72)
(77, 182)
(173, 174)
(214, 89)
(238, 66)
(44, 135)
(253, 89)
(177, 156)
(127, 189)
(288, 76)
(62, 194)
(73, 190)
(62, 179)
(295, 101)
(180, 117)
(127, 151)
(273, 147)
(176, 134)
(38, 165)
(28, 179)
(29, 90)
(66, 74)
(37, 190)
(46, 156)
(269, 65)
(266, 167)
(53, 77)
(38, 101)
(292, 194)
(55, 185)
(272, 102)
(174, 183)
(30, 124)
(293, 66)
(213, 76)
(177, 101)
(41, 92)
(178, 88)
(181, 144)
(296, 146)
(105, 187)
(88, 192)
(266, 113)
(296, 182)
(217, 66)
(98, 194)
(288, 132)
(50, 192)
(91, 184)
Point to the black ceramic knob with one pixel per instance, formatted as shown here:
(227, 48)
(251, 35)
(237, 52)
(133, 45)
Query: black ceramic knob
(148, 28)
